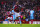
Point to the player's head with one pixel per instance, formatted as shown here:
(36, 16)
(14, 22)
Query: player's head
(17, 3)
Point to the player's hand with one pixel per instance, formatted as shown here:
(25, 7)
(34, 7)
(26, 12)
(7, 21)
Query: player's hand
(12, 13)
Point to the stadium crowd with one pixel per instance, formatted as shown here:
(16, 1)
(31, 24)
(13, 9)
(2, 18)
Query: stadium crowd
(23, 7)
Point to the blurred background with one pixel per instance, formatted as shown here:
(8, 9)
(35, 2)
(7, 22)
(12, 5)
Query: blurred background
(23, 7)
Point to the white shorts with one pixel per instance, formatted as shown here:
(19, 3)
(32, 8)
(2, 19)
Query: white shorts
(10, 18)
(17, 14)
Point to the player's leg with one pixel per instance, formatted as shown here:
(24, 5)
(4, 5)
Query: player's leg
(31, 21)
(19, 18)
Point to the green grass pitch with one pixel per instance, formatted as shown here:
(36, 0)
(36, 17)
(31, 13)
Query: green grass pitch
(18, 25)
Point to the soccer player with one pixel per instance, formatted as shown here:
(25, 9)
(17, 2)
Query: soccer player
(13, 14)
(32, 15)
